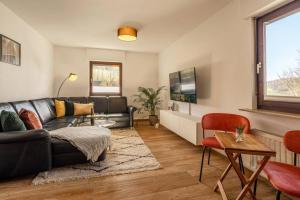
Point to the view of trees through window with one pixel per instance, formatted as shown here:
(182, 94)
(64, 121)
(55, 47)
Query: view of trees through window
(282, 52)
(105, 78)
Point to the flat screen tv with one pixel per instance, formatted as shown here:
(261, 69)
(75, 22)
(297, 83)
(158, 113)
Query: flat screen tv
(183, 86)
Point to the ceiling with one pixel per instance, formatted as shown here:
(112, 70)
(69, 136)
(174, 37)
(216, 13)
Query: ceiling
(94, 23)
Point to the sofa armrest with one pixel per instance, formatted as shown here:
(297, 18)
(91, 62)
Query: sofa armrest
(23, 136)
(131, 110)
(24, 153)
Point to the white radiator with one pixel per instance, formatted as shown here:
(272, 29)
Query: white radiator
(274, 142)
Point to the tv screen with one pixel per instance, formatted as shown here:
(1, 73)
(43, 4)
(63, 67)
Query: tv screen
(183, 86)
(175, 86)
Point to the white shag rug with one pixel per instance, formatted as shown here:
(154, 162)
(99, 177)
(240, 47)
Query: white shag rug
(128, 154)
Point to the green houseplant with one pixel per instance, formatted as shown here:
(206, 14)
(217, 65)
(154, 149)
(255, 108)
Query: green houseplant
(239, 131)
(149, 99)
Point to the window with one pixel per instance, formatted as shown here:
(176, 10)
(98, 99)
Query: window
(105, 78)
(278, 59)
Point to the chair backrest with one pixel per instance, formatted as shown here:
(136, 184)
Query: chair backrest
(292, 141)
(225, 122)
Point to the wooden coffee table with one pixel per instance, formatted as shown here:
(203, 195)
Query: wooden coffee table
(233, 150)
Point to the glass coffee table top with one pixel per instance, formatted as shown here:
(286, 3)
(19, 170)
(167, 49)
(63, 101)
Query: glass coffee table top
(96, 116)
(99, 120)
(104, 123)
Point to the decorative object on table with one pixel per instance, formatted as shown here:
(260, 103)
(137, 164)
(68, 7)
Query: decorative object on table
(172, 106)
(10, 51)
(70, 77)
(128, 154)
(150, 101)
(239, 133)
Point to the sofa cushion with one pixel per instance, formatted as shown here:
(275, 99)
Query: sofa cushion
(44, 110)
(10, 121)
(60, 108)
(69, 105)
(100, 104)
(7, 107)
(51, 104)
(50, 126)
(59, 123)
(60, 98)
(117, 105)
(30, 119)
(19, 105)
(62, 146)
(83, 109)
(63, 153)
(78, 99)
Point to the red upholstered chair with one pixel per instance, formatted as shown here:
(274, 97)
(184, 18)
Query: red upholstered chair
(284, 177)
(220, 122)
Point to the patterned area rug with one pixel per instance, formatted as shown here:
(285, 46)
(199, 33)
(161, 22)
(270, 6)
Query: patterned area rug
(129, 154)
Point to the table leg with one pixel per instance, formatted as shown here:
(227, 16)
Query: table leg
(253, 177)
(225, 172)
(241, 176)
(247, 182)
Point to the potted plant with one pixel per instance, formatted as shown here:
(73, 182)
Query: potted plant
(239, 133)
(149, 100)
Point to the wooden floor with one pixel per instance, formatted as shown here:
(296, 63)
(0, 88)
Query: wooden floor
(178, 178)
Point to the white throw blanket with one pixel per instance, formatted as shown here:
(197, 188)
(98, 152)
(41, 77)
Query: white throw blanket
(90, 140)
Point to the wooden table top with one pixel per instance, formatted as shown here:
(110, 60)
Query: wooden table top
(250, 144)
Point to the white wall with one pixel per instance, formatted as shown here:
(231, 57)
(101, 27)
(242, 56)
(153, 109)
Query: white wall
(222, 50)
(139, 69)
(33, 79)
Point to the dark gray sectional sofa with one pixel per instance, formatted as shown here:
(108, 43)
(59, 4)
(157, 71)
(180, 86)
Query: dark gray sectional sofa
(33, 151)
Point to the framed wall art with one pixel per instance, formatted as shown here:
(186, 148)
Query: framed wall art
(10, 51)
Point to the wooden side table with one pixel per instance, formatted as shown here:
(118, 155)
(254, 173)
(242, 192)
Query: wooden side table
(233, 150)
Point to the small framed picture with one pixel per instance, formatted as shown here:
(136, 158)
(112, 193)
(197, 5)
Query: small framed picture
(10, 51)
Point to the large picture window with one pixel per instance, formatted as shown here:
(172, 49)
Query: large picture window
(278, 59)
(105, 78)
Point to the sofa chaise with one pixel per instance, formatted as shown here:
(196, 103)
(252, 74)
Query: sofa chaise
(33, 151)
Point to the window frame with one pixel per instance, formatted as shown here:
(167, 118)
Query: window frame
(92, 63)
(262, 103)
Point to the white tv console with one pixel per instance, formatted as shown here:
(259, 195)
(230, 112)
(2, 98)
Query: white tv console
(184, 125)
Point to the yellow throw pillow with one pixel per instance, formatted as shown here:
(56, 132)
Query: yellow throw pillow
(60, 108)
(83, 109)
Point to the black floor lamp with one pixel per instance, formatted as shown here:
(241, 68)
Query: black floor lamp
(70, 77)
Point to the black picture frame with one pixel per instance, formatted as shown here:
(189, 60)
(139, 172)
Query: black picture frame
(15, 50)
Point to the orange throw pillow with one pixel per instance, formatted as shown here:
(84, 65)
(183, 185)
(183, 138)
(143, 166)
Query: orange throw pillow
(60, 108)
(83, 109)
(30, 119)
